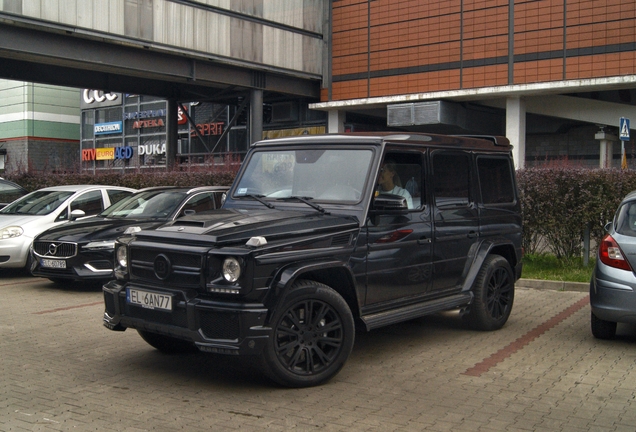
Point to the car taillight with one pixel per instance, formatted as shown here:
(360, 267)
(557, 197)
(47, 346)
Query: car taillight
(611, 255)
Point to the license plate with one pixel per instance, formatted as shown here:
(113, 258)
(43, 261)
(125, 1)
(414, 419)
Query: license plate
(149, 300)
(52, 263)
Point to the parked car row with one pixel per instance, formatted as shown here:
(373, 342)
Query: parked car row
(67, 233)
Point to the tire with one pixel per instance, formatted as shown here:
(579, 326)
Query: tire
(494, 293)
(602, 329)
(300, 352)
(167, 344)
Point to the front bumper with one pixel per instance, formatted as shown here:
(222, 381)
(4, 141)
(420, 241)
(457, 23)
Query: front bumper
(613, 294)
(213, 326)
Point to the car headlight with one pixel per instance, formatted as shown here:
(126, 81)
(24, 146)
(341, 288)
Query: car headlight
(121, 256)
(11, 232)
(100, 245)
(231, 269)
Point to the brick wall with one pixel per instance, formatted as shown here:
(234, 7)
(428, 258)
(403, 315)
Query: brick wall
(386, 47)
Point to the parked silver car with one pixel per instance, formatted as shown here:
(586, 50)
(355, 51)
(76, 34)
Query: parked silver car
(613, 284)
(40, 210)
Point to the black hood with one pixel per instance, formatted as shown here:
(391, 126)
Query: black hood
(237, 226)
(96, 229)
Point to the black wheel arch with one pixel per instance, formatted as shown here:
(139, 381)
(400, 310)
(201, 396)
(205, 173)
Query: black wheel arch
(481, 251)
(335, 274)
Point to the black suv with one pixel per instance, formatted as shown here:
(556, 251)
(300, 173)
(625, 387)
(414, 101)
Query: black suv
(320, 234)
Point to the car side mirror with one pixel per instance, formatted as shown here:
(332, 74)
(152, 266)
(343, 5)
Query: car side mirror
(384, 202)
(608, 226)
(76, 214)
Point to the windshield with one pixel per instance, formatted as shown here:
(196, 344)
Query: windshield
(150, 204)
(37, 203)
(329, 175)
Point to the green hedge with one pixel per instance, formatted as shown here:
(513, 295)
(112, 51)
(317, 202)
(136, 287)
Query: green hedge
(557, 203)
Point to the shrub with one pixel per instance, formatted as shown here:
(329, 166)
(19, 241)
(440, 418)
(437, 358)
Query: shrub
(558, 203)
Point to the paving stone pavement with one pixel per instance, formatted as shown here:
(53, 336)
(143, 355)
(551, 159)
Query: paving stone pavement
(61, 370)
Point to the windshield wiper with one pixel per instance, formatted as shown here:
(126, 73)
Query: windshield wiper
(306, 201)
(260, 199)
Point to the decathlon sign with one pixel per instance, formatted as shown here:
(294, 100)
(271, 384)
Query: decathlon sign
(108, 128)
(97, 98)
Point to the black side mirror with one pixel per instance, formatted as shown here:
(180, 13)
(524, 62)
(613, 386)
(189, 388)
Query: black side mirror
(384, 202)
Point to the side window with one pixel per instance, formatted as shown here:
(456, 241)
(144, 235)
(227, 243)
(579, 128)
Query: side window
(199, 203)
(90, 202)
(495, 180)
(401, 174)
(451, 178)
(117, 195)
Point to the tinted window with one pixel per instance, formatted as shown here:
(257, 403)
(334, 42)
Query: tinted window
(37, 203)
(401, 174)
(90, 203)
(200, 203)
(451, 175)
(495, 180)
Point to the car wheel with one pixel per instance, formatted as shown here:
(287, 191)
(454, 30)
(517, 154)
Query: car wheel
(167, 344)
(602, 329)
(312, 336)
(494, 292)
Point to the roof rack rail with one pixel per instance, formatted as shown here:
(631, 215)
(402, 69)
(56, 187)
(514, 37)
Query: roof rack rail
(496, 140)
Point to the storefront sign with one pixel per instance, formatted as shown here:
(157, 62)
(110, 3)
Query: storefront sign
(152, 149)
(97, 98)
(108, 128)
(139, 124)
(144, 114)
(209, 129)
(181, 118)
(107, 153)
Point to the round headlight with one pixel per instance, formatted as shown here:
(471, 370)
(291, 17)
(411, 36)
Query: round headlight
(231, 269)
(122, 256)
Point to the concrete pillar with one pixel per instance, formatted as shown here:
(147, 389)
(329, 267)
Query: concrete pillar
(172, 133)
(256, 116)
(516, 129)
(335, 121)
(606, 151)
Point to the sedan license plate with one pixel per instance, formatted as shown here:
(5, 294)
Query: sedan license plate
(53, 263)
(149, 300)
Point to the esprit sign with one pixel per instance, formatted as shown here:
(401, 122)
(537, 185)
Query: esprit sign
(97, 98)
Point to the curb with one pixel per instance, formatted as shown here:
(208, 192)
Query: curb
(554, 285)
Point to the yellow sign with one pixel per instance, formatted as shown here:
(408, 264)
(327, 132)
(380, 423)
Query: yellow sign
(105, 153)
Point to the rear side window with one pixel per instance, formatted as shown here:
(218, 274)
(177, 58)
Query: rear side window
(451, 178)
(626, 219)
(496, 180)
(116, 195)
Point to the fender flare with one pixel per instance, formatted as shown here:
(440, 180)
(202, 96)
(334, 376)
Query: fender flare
(477, 256)
(285, 278)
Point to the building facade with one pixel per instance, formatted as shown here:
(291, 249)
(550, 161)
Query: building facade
(39, 127)
(555, 76)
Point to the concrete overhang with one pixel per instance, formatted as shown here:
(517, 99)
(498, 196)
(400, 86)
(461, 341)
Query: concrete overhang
(484, 93)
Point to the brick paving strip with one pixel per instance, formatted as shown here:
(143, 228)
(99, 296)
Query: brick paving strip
(485, 365)
(67, 308)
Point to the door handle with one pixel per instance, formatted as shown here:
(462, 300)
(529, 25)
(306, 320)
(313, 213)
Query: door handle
(423, 241)
(472, 234)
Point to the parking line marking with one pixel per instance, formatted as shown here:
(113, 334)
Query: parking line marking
(485, 365)
(67, 308)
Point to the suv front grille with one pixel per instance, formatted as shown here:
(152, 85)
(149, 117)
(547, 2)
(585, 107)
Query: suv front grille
(177, 268)
(55, 249)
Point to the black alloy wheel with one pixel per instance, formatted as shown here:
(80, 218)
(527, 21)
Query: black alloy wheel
(494, 295)
(312, 337)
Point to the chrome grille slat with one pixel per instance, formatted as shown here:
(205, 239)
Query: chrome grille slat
(55, 249)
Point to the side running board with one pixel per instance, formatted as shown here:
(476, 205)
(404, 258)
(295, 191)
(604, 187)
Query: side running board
(417, 310)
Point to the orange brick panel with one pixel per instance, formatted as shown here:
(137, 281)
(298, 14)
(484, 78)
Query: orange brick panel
(415, 56)
(483, 48)
(349, 64)
(415, 83)
(485, 76)
(602, 65)
(349, 90)
(348, 43)
(349, 17)
(538, 41)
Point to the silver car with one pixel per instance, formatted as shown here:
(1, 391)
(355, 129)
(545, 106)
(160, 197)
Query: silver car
(40, 210)
(613, 284)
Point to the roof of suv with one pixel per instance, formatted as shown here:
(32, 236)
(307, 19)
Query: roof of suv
(487, 142)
